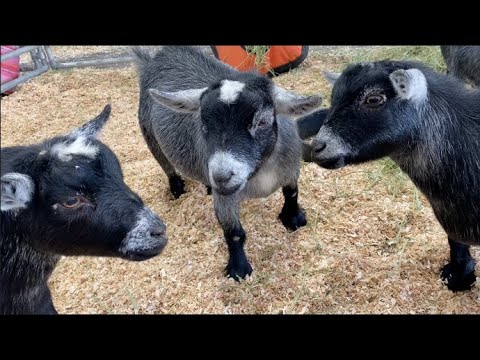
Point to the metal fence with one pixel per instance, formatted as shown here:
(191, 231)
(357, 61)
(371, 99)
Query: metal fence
(40, 65)
(43, 59)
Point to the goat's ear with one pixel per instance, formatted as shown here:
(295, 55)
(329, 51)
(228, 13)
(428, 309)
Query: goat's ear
(410, 84)
(93, 127)
(290, 103)
(331, 77)
(184, 101)
(17, 191)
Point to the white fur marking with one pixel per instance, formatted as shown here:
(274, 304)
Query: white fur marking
(236, 238)
(230, 90)
(79, 146)
(138, 238)
(17, 191)
(267, 181)
(410, 85)
(336, 146)
(43, 152)
(223, 161)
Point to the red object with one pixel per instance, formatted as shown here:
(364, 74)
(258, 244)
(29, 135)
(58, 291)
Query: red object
(10, 67)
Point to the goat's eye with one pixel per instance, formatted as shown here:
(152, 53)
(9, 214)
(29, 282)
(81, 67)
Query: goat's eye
(374, 101)
(71, 202)
(262, 124)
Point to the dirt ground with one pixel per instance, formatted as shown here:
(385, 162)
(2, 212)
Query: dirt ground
(372, 244)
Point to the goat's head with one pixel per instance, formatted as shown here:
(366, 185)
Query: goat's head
(373, 111)
(238, 122)
(71, 196)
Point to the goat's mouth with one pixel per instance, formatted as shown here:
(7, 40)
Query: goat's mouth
(142, 254)
(138, 249)
(330, 163)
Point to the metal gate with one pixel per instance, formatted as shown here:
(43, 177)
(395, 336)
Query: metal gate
(43, 59)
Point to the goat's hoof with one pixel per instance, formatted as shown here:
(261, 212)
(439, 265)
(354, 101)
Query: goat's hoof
(238, 270)
(459, 279)
(209, 190)
(177, 186)
(293, 221)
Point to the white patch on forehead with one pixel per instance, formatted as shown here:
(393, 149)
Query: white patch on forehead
(410, 85)
(230, 90)
(79, 146)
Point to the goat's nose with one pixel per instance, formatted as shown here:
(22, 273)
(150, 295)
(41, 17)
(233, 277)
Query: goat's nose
(318, 147)
(157, 231)
(223, 178)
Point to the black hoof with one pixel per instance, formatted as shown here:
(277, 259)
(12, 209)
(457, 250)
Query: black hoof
(209, 190)
(238, 270)
(459, 278)
(177, 186)
(293, 221)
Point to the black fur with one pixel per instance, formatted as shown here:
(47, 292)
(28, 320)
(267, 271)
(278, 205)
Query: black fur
(32, 238)
(435, 142)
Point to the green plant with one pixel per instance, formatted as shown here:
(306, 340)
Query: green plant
(260, 53)
(429, 55)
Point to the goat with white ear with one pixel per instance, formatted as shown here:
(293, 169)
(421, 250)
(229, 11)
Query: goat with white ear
(429, 124)
(66, 196)
(229, 130)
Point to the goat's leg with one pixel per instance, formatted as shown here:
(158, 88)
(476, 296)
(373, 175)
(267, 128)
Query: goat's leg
(45, 303)
(292, 216)
(227, 210)
(459, 273)
(177, 186)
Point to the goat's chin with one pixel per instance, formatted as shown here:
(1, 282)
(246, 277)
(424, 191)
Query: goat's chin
(330, 163)
(142, 255)
(228, 191)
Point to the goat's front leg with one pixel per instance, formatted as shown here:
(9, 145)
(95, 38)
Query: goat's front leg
(44, 304)
(292, 216)
(227, 210)
(459, 273)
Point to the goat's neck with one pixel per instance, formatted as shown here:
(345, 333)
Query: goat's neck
(24, 272)
(439, 154)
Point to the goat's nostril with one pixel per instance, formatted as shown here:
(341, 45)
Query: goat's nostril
(319, 147)
(157, 231)
(223, 178)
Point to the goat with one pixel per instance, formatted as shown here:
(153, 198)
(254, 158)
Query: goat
(66, 196)
(429, 124)
(229, 130)
(463, 62)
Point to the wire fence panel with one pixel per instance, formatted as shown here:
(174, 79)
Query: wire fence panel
(39, 60)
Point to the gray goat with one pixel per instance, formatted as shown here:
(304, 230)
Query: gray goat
(463, 62)
(225, 129)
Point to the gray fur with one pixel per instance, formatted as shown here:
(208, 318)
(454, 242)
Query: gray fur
(331, 77)
(176, 140)
(463, 62)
